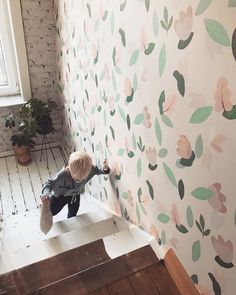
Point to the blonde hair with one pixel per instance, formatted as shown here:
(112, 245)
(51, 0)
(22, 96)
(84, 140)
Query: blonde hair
(80, 164)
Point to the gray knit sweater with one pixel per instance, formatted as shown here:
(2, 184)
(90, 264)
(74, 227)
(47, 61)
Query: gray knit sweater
(62, 184)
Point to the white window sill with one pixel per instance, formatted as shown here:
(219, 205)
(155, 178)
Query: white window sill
(8, 101)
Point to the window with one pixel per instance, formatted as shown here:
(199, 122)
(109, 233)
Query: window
(14, 73)
(8, 73)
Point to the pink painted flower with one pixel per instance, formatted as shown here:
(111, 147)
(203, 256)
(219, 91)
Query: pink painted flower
(154, 232)
(127, 144)
(147, 118)
(143, 39)
(183, 25)
(169, 105)
(94, 51)
(127, 87)
(130, 199)
(175, 214)
(184, 149)
(151, 155)
(224, 250)
(116, 169)
(107, 72)
(223, 96)
(217, 200)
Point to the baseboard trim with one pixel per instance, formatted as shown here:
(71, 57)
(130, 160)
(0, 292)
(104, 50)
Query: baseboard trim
(179, 274)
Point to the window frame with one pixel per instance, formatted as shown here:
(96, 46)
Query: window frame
(15, 26)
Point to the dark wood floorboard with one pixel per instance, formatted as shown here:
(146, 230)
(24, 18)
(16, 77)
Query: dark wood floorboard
(120, 287)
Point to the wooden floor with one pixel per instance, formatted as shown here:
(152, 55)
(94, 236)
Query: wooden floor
(21, 186)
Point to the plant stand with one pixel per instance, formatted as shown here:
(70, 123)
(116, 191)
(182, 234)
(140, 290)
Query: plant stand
(44, 151)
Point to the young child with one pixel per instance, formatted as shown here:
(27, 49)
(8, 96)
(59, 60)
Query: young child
(67, 185)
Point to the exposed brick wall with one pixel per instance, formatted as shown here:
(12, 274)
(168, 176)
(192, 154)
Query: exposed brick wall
(40, 37)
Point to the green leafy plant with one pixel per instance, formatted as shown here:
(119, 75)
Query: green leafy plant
(33, 117)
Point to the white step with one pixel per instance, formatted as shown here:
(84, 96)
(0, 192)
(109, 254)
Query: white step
(27, 231)
(53, 246)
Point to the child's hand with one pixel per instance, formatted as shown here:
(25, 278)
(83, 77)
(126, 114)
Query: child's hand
(45, 199)
(105, 165)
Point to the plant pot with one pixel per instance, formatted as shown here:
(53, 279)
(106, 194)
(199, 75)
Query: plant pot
(22, 154)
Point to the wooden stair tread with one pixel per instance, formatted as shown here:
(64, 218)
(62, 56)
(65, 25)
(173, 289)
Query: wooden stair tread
(42, 273)
(103, 274)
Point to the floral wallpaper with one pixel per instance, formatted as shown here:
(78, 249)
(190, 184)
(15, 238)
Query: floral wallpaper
(150, 85)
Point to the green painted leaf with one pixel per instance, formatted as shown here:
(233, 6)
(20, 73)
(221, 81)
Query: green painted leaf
(163, 218)
(215, 285)
(163, 25)
(181, 188)
(143, 209)
(102, 75)
(147, 4)
(170, 174)
(122, 114)
(130, 97)
(105, 118)
(134, 141)
(201, 114)
(234, 43)
(199, 146)
(202, 6)
(217, 32)
(112, 23)
(139, 119)
(162, 153)
(150, 48)
(155, 24)
(105, 15)
(135, 83)
(181, 228)
(158, 132)
(138, 213)
(232, 3)
(139, 194)
(184, 43)
(121, 152)
(162, 60)
(113, 80)
(161, 101)
(163, 237)
(139, 168)
(202, 193)
(180, 82)
(134, 57)
(125, 195)
(196, 251)
(150, 188)
(128, 121)
(189, 216)
(96, 26)
(117, 69)
(122, 35)
(166, 120)
(112, 133)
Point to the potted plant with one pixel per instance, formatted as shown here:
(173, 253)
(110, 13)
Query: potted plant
(34, 117)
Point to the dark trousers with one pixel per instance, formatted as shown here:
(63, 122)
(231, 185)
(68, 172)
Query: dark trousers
(73, 202)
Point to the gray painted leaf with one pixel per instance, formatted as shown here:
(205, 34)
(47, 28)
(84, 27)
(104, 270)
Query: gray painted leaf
(122, 35)
(180, 82)
(234, 43)
(215, 284)
(150, 48)
(139, 168)
(150, 188)
(181, 228)
(232, 3)
(147, 4)
(161, 101)
(166, 120)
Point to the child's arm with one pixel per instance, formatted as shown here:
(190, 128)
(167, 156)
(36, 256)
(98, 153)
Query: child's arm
(104, 170)
(46, 192)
